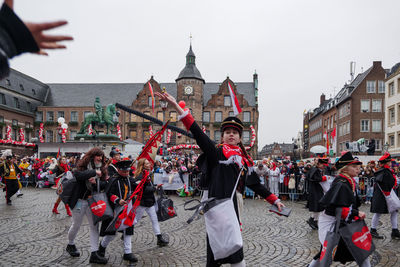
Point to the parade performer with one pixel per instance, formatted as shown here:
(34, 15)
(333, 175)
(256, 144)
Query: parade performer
(119, 188)
(115, 155)
(9, 171)
(224, 162)
(61, 168)
(273, 177)
(342, 194)
(148, 201)
(385, 181)
(90, 167)
(315, 191)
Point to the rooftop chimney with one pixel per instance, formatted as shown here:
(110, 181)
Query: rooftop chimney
(322, 99)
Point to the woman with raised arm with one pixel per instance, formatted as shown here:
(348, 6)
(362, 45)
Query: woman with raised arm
(224, 164)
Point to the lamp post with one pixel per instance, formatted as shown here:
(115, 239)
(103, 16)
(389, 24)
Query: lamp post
(164, 106)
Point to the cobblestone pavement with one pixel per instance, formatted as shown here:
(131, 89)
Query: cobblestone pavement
(30, 235)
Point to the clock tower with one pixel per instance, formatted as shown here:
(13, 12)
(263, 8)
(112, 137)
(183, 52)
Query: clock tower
(190, 86)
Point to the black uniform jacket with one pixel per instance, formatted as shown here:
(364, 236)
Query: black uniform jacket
(385, 179)
(341, 195)
(315, 192)
(148, 199)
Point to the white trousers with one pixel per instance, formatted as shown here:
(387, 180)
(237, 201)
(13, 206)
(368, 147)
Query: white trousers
(274, 185)
(151, 211)
(77, 218)
(127, 242)
(393, 220)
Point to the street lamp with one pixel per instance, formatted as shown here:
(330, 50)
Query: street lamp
(385, 147)
(164, 106)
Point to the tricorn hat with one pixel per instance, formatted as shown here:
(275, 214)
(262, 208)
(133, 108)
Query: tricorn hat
(385, 158)
(232, 122)
(346, 159)
(123, 165)
(324, 161)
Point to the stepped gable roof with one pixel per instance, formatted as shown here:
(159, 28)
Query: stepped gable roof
(245, 88)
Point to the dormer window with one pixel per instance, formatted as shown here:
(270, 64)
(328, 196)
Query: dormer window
(22, 87)
(33, 92)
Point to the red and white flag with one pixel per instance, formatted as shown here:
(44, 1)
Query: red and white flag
(334, 140)
(8, 133)
(41, 132)
(90, 129)
(21, 135)
(119, 132)
(234, 100)
(152, 95)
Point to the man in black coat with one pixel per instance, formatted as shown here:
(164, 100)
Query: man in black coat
(385, 181)
(315, 192)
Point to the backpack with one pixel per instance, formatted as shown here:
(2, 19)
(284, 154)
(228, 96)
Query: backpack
(66, 187)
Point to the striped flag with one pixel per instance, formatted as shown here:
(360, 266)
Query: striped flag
(234, 100)
(152, 95)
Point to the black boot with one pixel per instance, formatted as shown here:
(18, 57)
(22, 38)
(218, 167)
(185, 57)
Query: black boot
(130, 257)
(395, 234)
(375, 234)
(161, 241)
(96, 258)
(316, 224)
(71, 249)
(311, 223)
(102, 251)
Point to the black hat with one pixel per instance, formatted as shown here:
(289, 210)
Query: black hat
(114, 152)
(324, 161)
(123, 165)
(232, 122)
(346, 159)
(385, 158)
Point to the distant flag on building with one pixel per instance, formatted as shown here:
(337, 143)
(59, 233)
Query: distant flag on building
(334, 140)
(152, 95)
(234, 100)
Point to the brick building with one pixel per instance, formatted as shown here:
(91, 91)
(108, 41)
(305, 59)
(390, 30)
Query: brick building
(209, 103)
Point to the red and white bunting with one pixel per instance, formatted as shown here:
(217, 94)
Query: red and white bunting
(178, 135)
(64, 135)
(8, 133)
(151, 131)
(90, 129)
(119, 132)
(41, 132)
(17, 143)
(169, 133)
(203, 128)
(253, 138)
(21, 135)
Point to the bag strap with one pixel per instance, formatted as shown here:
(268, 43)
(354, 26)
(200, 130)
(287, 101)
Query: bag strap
(199, 207)
(237, 181)
(98, 184)
(119, 188)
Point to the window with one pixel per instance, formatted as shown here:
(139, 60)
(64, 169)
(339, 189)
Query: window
(217, 136)
(39, 116)
(378, 144)
(27, 125)
(16, 103)
(132, 135)
(49, 116)
(206, 116)
(86, 113)
(391, 140)
(2, 99)
(365, 105)
(230, 114)
(391, 89)
(1, 119)
(246, 137)
(14, 123)
(72, 135)
(173, 116)
(344, 110)
(370, 87)
(60, 114)
(218, 116)
(21, 87)
(28, 106)
(246, 116)
(74, 115)
(381, 87)
(160, 116)
(33, 92)
(8, 83)
(208, 133)
(227, 101)
(364, 126)
(391, 116)
(377, 105)
(58, 138)
(49, 136)
(377, 126)
(149, 101)
(132, 117)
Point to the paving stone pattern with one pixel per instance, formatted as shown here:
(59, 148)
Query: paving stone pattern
(30, 235)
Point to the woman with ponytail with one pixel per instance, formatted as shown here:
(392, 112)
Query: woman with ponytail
(61, 168)
(222, 164)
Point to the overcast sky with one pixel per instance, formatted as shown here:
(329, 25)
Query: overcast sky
(299, 49)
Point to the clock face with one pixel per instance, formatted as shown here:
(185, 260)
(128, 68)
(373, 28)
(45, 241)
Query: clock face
(188, 90)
